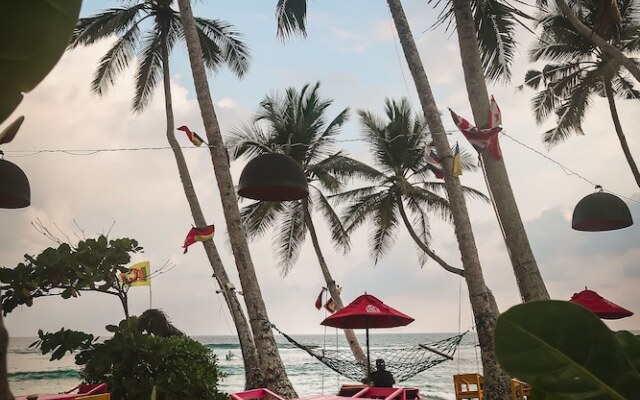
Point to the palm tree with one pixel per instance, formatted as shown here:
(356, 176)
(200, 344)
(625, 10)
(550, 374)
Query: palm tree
(579, 70)
(402, 185)
(274, 373)
(629, 63)
(528, 277)
(483, 303)
(223, 45)
(295, 124)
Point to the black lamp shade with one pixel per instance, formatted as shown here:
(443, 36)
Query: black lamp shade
(14, 186)
(601, 211)
(273, 177)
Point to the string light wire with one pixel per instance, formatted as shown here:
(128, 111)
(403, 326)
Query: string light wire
(89, 152)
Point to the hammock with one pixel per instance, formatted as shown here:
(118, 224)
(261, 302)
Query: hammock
(402, 363)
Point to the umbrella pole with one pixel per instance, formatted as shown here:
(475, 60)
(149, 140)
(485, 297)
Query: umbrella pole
(366, 324)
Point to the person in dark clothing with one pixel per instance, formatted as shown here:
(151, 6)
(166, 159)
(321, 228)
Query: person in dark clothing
(381, 377)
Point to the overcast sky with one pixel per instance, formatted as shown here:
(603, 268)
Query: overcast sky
(353, 51)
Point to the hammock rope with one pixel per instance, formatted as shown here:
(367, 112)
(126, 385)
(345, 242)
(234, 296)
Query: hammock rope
(403, 363)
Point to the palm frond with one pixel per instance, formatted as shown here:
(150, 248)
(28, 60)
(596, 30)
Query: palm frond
(421, 226)
(113, 21)
(339, 235)
(115, 61)
(259, 217)
(291, 16)
(247, 140)
(625, 88)
(385, 222)
(290, 235)
(149, 71)
(221, 42)
(364, 202)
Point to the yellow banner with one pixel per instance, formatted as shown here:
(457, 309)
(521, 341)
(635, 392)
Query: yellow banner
(138, 275)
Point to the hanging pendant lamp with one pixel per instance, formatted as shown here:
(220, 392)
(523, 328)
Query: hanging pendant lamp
(601, 211)
(14, 186)
(273, 177)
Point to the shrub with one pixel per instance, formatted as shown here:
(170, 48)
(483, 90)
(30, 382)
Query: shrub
(132, 363)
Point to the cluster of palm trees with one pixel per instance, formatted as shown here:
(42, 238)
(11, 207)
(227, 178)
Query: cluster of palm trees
(400, 188)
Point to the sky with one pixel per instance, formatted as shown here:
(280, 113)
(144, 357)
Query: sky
(352, 49)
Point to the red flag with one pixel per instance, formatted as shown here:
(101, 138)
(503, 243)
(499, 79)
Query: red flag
(198, 235)
(319, 299)
(495, 116)
(195, 139)
(433, 162)
(480, 139)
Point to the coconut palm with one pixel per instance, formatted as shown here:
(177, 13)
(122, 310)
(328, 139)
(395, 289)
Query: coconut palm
(629, 63)
(483, 303)
(150, 30)
(275, 376)
(296, 124)
(402, 185)
(578, 70)
(526, 270)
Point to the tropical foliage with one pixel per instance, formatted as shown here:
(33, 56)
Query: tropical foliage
(588, 359)
(221, 44)
(91, 265)
(295, 123)
(578, 71)
(134, 364)
(402, 181)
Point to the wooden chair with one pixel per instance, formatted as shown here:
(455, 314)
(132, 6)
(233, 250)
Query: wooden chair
(519, 390)
(386, 393)
(468, 386)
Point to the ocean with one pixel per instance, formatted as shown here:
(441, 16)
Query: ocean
(31, 372)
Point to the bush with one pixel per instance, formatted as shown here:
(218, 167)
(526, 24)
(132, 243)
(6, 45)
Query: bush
(132, 363)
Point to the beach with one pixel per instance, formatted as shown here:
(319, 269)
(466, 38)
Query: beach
(31, 372)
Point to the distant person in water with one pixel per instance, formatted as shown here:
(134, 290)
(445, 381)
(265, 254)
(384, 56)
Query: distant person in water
(381, 377)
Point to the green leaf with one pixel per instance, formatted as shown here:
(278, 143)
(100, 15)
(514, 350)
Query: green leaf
(40, 31)
(631, 345)
(564, 351)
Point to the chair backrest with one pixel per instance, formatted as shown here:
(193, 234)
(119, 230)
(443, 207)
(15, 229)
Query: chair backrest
(255, 394)
(519, 390)
(387, 393)
(468, 386)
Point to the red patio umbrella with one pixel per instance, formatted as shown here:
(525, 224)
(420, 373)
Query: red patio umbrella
(367, 312)
(600, 306)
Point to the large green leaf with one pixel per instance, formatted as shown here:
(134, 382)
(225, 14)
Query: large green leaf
(36, 33)
(631, 345)
(565, 352)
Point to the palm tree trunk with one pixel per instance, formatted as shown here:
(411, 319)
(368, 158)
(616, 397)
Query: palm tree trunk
(253, 375)
(5, 391)
(524, 264)
(485, 309)
(274, 373)
(594, 38)
(623, 140)
(423, 245)
(356, 349)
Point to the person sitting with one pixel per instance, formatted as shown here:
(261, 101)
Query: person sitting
(381, 377)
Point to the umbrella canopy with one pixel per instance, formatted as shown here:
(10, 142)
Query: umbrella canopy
(600, 306)
(367, 312)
